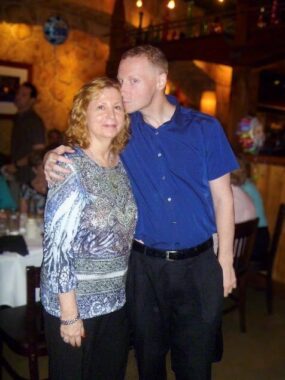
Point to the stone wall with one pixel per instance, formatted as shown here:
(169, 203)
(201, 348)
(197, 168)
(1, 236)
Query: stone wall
(58, 72)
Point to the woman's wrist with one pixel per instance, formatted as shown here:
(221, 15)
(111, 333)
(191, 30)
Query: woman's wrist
(71, 321)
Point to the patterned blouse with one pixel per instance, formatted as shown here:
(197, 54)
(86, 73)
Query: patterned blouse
(90, 219)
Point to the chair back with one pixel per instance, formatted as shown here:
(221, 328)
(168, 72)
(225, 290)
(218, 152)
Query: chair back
(34, 317)
(276, 235)
(244, 239)
(33, 283)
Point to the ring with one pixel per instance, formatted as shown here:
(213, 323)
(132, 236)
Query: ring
(65, 340)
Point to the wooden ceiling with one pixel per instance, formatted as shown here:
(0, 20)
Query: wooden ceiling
(214, 5)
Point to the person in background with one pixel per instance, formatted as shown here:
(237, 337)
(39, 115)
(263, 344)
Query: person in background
(90, 219)
(260, 250)
(55, 138)
(28, 134)
(243, 204)
(6, 200)
(178, 161)
(33, 194)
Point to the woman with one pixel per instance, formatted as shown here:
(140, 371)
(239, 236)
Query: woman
(89, 223)
(262, 240)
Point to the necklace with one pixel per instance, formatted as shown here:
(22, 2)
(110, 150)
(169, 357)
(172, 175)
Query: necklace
(110, 162)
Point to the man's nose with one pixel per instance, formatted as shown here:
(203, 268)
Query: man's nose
(124, 87)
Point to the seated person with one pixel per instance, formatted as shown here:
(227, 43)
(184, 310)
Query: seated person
(6, 200)
(243, 204)
(33, 195)
(54, 138)
(259, 255)
(244, 208)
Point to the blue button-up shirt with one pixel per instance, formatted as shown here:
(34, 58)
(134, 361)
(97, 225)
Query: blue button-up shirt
(170, 168)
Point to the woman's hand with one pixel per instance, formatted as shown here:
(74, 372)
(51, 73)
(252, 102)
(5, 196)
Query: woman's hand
(73, 334)
(52, 169)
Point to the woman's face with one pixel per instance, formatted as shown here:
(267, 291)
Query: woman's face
(105, 115)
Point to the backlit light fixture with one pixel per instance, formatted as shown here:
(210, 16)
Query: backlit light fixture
(139, 4)
(208, 103)
(220, 1)
(171, 4)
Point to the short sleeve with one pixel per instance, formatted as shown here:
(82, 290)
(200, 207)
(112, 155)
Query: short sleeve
(219, 155)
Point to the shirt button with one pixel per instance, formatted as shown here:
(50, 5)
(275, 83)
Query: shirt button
(169, 199)
(159, 154)
(163, 178)
(173, 222)
(156, 132)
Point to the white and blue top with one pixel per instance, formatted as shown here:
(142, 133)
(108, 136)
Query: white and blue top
(90, 219)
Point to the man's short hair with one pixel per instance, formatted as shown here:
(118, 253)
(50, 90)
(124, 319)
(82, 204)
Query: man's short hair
(32, 87)
(152, 53)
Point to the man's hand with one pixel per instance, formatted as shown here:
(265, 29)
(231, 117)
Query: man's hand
(229, 277)
(52, 170)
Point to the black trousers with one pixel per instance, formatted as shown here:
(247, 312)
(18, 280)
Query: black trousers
(176, 305)
(102, 356)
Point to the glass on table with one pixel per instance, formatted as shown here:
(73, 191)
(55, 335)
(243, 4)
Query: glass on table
(14, 223)
(3, 222)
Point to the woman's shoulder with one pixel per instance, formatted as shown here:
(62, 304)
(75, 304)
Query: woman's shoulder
(77, 153)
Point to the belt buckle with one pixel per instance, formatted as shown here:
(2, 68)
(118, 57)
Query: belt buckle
(167, 255)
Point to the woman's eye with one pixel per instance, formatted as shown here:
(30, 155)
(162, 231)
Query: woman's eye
(100, 107)
(134, 81)
(118, 108)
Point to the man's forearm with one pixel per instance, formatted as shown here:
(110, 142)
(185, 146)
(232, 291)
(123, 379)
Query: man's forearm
(225, 229)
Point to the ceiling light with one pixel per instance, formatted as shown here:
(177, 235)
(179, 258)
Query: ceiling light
(139, 3)
(171, 4)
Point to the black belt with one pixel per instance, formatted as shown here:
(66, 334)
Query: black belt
(180, 254)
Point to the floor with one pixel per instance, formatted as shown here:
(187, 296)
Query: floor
(257, 355)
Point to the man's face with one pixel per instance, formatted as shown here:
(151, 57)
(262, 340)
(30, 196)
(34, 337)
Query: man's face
(140, 81)
(23, 100)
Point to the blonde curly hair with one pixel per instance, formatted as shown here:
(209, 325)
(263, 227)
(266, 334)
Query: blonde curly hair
(77, 131)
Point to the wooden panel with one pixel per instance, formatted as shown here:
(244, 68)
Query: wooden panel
(270, 180)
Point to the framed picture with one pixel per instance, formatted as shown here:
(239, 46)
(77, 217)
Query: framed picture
(12, 74)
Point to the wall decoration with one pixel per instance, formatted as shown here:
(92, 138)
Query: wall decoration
(56, 30)
(12, 74)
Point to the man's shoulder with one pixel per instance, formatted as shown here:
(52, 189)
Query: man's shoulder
(197, 117)
(33, 118)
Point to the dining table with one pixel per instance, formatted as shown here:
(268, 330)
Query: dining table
(13, 283)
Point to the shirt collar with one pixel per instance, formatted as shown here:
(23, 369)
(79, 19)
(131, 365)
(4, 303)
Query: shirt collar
(175, 121)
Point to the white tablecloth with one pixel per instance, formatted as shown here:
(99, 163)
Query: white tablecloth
(13, 273)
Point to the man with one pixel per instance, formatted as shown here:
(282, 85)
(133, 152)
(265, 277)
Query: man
(178, 161)
(28, 133)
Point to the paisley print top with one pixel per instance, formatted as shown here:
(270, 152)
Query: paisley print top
(90, 219)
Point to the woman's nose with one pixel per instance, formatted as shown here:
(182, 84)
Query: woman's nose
(111, 113)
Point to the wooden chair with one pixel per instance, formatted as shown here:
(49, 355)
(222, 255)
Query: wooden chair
(263, 278)
(21, 329)
(243, 244)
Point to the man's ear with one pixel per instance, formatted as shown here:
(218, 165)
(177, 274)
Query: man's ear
(162, 79)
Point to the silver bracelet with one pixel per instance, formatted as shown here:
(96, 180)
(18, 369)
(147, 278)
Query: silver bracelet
(67, 322)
